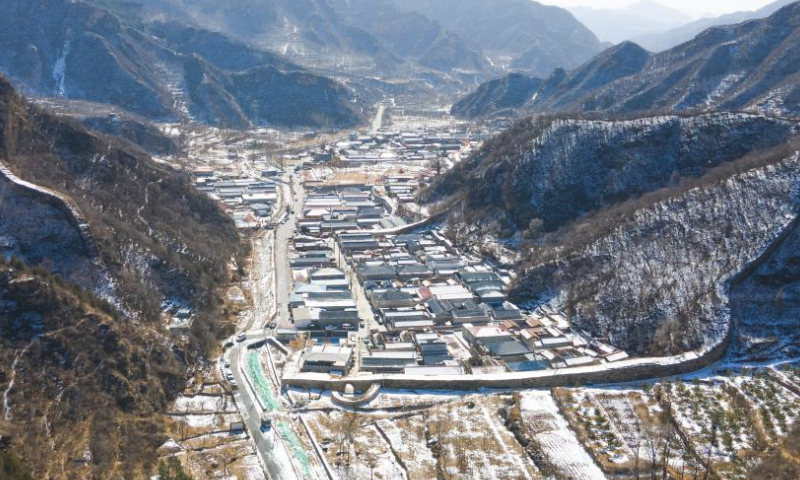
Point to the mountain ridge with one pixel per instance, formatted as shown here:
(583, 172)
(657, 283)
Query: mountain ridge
(83, 52)
(672, 38)
(585, 207)
(751, 66)
(151, 238)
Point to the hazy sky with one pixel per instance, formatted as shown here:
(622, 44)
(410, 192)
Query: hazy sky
(692, 7)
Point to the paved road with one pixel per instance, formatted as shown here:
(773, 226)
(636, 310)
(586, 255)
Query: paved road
(266, 443)
(271, 448)
(283, 236)
(377, 122)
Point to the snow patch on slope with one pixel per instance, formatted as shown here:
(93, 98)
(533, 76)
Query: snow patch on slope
(60, 70)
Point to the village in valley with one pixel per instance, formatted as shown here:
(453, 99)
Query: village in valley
(371, 345)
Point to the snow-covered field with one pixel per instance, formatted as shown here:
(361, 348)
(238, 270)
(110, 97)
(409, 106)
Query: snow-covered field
(624, 429)
(204, 404)
(779, 407)
(464, 438)
(407, 438)
(354, 446)
(558, 442)
(732, 420)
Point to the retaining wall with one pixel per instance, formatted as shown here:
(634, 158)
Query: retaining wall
(624, 371)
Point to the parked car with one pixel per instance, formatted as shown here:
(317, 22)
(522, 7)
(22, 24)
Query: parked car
(266, 423)
(241, 337)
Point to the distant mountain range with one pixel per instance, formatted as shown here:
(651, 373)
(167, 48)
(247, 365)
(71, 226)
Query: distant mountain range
(750, 66)
(619, 24)
(382, 35)
(163, 71)
(660, 41)
(309, 31)
(516, 34)
(411, 35)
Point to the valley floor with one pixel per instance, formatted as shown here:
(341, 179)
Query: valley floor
(717, 423)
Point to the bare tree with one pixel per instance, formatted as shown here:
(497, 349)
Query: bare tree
(3, 190)
(346, 429)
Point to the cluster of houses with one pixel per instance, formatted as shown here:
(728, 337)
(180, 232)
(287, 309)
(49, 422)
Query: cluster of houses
(398, 147)
(438, 312)
(540, 340)
(336, 209)
(250, 201)
(402, 187)
(410, 352)
(377, 299)
(323, 304)
(416, 282)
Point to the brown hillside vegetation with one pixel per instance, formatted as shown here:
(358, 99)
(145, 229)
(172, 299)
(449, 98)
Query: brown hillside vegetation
(88, 385)
(783, 463)
(158, 237)
(89, 367)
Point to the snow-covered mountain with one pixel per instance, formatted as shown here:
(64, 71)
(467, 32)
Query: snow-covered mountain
(518, 34)
(162, 71)
(753, 66)
(498, 96)
(660, 41)
(636, 226)
(616, 25)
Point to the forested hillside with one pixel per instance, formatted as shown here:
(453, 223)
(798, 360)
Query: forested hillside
(751, 66)
(165, 72)
(100, 238)
(635, 227)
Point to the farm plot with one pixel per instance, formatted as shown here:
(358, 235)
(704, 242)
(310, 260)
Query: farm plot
(407, 436)
(234, 458)
(777, 407)
(474, 443)
(719, 424)
(204, 403)
(462, 439)
(354, 446)
(399, 400)
(212, 440)
(470, 441)
(626, 431)
(789, 374)
(551, 439)
(197, 415)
